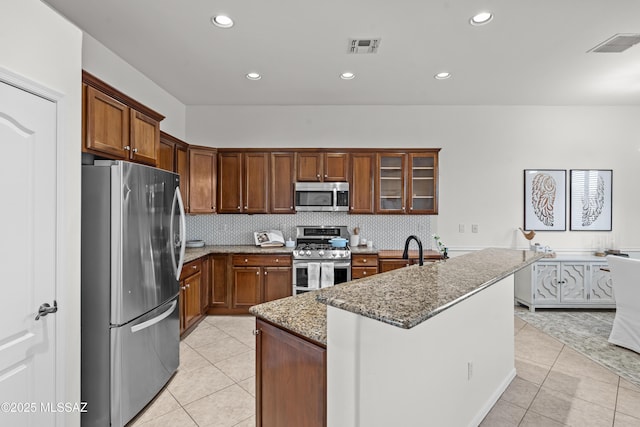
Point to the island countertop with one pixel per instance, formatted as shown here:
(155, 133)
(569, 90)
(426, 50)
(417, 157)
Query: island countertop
(404, 298)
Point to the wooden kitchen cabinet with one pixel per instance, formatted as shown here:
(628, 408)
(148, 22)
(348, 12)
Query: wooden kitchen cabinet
(260, 278)
(174, 157)
(219, 294)
(247, 283)
(407, 183)
(363, 265)
(191, 281)
(390, 183)
(283, 176)
(318, 167)
(291, 379)
(393, 264)
(243, 185)
(202, 180)
(361, 189)
(116, 126)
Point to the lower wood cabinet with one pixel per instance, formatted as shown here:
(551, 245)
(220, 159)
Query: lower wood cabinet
(291, 379)
(191, 282)
(239, 281)
(364, 265)
(260, 278)
(393, 264)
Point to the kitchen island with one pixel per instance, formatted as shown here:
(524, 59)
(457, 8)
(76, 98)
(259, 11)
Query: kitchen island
(429, 345)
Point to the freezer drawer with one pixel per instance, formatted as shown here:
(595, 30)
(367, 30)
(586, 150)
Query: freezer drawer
(144, 355)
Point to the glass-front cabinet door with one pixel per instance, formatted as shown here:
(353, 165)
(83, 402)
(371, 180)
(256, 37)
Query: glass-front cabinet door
(390, 195)
(422, 189)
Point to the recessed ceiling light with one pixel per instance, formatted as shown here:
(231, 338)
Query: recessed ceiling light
(481, 18)
(347, 75)
(222, 21)
(253, 76)
(442, 76)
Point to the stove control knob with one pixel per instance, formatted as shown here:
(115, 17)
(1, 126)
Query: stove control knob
(308, 253)
(295, 253)
(320, 252)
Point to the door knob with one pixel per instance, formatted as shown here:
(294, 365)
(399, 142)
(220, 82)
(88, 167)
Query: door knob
(46, 309)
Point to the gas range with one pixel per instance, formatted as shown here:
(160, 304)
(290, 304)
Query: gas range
(312, 243)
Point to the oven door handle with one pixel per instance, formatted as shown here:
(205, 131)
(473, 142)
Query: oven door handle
(341, 264)
(335, 264)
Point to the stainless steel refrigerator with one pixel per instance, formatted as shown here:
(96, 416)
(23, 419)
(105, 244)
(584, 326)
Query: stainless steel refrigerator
(133, 232)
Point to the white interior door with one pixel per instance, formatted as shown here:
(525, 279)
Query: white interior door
(27, 257)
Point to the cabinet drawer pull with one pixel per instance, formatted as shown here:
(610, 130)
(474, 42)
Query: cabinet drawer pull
(277, 260)
(364, 273)
(364, 260)
(194, 267)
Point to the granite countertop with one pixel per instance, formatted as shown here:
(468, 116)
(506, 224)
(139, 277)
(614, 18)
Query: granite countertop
(409, 296)
(405, 297)
(194, 253)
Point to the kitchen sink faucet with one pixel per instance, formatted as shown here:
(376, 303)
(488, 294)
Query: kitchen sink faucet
(405, 254)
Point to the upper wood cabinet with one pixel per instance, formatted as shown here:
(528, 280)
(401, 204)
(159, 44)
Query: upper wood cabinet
(116, 126)
(407, 183)
(283, 175)
(243, 186)
(202, 180)
(361, 189)
(313, 166)
(174, 157)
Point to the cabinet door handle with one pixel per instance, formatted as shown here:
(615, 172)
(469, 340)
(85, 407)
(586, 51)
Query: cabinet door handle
(238, 208)
(135, 150)
(265, 273)
(325, 175)
(127, 148)
(186, 286)
(256, 332)
(318, 176)
(411, 208)
(291, 207)
(257, 273)
(245, 207)
(194, 267)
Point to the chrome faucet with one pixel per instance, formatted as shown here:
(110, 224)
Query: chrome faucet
(405, 254)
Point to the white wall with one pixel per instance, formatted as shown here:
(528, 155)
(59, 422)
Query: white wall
(484, 152)
(39, 45)
(107, 66)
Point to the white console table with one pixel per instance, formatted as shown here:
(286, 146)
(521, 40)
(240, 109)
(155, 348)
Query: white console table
(565, 282)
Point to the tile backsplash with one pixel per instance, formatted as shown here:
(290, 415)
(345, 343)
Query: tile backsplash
(386, 231)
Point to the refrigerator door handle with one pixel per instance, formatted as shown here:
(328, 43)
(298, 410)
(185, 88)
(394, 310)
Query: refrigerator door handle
(156, 319)
(183, 231)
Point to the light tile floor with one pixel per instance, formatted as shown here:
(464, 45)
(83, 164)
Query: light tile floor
(555, 385)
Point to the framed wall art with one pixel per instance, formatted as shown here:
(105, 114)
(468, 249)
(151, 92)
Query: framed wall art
(545, 195)
(591, 192)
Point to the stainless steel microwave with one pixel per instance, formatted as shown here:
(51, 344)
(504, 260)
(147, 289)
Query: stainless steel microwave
(322, 196)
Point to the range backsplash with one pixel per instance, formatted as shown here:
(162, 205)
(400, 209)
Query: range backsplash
(386, 231)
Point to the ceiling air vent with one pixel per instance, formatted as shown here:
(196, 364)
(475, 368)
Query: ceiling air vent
(617, 43)
(363, 45)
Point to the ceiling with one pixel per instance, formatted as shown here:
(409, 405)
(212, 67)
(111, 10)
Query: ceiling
(533, 52)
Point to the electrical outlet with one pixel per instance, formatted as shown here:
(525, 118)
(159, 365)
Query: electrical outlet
(461, 228)
(474, 228)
